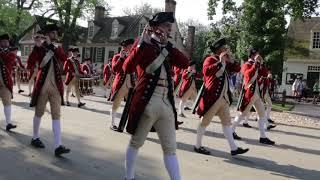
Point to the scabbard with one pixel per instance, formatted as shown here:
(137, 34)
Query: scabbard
(125, 113)
(196, 103)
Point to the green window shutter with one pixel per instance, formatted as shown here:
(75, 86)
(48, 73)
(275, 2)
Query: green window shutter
(103, 54)
(91, 53)
(83, 53)
(94, 55)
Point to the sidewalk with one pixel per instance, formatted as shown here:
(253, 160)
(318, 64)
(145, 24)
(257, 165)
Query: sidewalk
(309, 110)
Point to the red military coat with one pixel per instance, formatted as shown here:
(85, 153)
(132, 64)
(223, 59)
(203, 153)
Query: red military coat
(177, 75)
(187, 80)
(69, 68)
(263, 81)
(19, 63)
(213, 85)
(8, 60)
(248, 70)
(86, 69)
(107, 72)
(36, 57)
(140, 57)
(120, 76)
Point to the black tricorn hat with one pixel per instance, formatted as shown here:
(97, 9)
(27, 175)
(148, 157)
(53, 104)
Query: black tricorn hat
(161, 17)
(5, 37)
(127, 42)
(218, 44)
(49, 28)
(252, 51)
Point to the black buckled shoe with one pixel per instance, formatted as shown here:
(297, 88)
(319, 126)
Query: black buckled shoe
(114, 128)
(68, 103)
(201, 150)
(270, 121)
(20, 91)
(246, 125)
(10, 126)
(37, 143)
(61, 150)
(235, 136)
(81, 104)
(271, 127)
(239, 151)
(267, 141)
(72, 95)
(180, 122)
(187, 108)
(182, 115)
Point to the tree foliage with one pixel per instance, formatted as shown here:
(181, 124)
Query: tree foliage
(69, 11)
(144, 9)
(260, 23)
(15, 16)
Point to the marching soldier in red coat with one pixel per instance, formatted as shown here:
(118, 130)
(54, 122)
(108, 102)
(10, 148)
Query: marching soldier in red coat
(122, 81)
(48, 86)
(188, 87)
(86, 67)
(251, 95)
(19, 67)
(7, 61)
(177, 76)
(32, 73)
(73, 69)
(216, 96)
(107, 76)
(152, 103)
(264, 82)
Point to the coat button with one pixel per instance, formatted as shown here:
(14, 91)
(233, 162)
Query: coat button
(151, 80)
(145, 92)
(148, 86)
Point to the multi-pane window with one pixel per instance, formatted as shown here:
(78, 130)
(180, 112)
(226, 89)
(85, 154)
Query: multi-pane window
(115, 29)
(99, 54)
(87, 53)
(91, 30)
(111, 54)
(27, 50)
(316, 40)
(141, 27)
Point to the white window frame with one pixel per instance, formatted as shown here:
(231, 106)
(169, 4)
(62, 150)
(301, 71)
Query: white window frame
(141, 27)
(25, 51)
(315, 40)
(87, 52)
(99, 54)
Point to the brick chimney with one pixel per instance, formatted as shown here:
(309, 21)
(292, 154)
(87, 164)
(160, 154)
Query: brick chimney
(190, 40)
(170, 6)
(99, 13)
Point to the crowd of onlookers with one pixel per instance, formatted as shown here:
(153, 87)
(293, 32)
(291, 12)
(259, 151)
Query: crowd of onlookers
(299, 90)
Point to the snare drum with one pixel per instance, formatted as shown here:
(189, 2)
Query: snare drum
(85, 86)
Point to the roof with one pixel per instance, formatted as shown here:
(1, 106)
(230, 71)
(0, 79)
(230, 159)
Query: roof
(130, 24)
(299, 38)
(79, 37)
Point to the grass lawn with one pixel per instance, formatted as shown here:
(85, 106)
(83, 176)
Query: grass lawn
(278, 106)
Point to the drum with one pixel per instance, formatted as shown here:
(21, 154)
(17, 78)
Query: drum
(85, 86)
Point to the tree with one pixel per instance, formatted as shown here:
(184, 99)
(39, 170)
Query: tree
(70, 10)
(262, 25)
(15, 17)
(144, 9)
